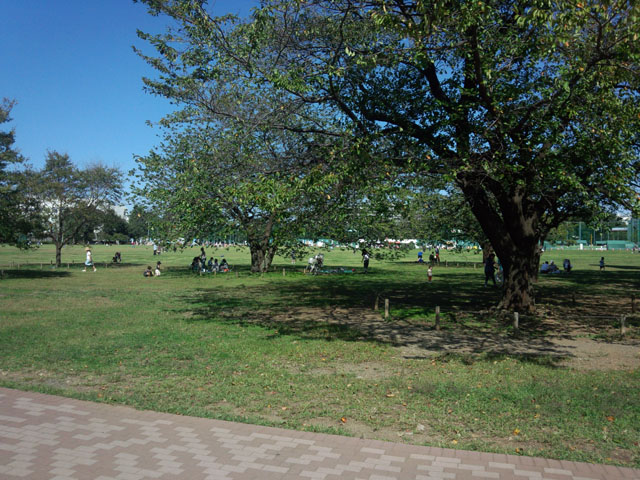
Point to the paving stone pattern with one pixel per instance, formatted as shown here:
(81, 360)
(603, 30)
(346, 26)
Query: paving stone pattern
(55, 438)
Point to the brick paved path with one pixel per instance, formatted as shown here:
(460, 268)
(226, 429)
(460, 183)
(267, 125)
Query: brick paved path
(49, 437)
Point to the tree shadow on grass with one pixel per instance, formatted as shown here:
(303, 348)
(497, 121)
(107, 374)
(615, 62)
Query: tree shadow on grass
(339, 308)
(590, 297)
(33, 274)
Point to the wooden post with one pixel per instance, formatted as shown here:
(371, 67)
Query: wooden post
(633, 304)
(623, 325)
(284, 272)
(41, 266)
(438, 317)
(67, 266)
(446, 263)
(386, 309)
(516, 321)
(236, 274)
(375, 305)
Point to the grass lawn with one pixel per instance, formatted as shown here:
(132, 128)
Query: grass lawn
(310, 353)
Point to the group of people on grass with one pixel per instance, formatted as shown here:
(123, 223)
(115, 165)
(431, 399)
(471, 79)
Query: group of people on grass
(151, 273)
(200, 264)
(492, 266)
(434, 257)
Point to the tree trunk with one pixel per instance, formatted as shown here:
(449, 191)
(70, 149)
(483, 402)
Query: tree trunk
(58, 254)
(261, 256)
(515, 234)
(520, 272)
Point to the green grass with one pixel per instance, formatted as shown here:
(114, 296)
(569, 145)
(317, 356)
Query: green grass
(307, 352)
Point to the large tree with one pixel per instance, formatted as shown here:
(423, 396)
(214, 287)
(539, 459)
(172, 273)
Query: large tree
(19, 217)
(72, 198)
(238, 155)
(530, 108)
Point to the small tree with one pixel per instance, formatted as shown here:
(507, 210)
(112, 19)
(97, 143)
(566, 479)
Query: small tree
(139, 222)
(113, 228)
(71, 198)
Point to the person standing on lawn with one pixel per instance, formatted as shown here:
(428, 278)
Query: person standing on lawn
(89, 261)
(365, 260)
(490, 270)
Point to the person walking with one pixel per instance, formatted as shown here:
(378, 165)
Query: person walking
(89, 260)
(365, 260)
(602, 264)
(430, 273)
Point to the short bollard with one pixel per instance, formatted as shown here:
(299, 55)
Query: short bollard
(516, 321)
(386, 309)
(623, 325)
(438, 317)
(375, 305)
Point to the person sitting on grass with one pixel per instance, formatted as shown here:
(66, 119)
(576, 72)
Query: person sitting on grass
(148, 272)
(224, 266)
(157, 273)
(566, 264)
(545, 267)
(195, 264)
(117, 258)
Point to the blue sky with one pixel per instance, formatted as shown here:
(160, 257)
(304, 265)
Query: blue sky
(70, 67)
